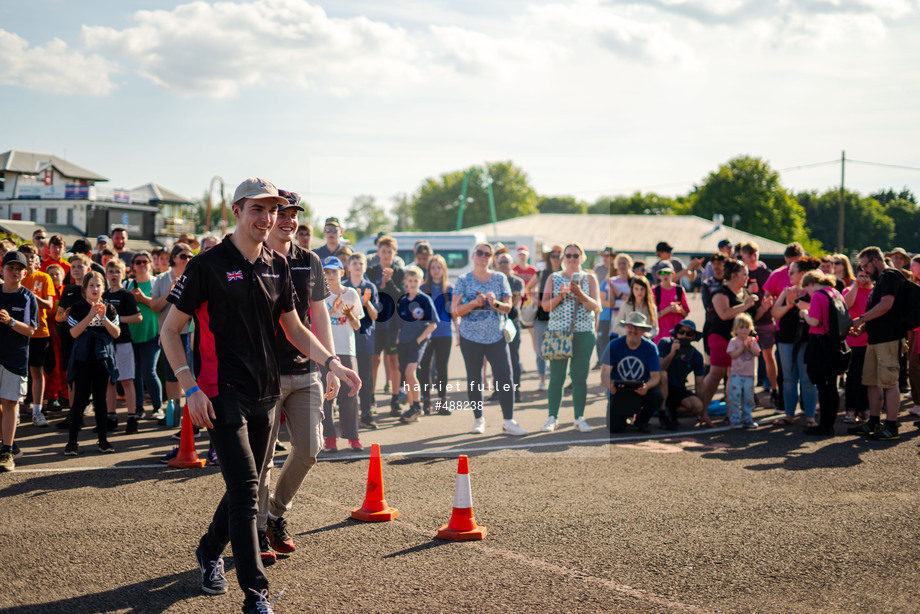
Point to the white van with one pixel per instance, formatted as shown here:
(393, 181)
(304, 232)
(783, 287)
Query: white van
(455, 247)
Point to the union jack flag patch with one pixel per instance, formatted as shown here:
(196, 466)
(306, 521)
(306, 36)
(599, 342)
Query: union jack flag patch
(234, 275)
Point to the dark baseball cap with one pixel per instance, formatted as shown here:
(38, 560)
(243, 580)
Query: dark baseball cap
(15, 256)
(81, 246)
(724, 243)
(332, 221)
(664, 246)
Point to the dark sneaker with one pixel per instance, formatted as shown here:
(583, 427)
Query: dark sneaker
(112, 423)
(71, 449)
(426, 408)
(178, 434)
(268, 557)
(213, 581)
(16, 451)
(368, 422)
(410, 415)
(263, 605)
(6, 461)
(886, 433)
(131, 426)
(278, 536)
(442, 408)
(171, 455)
(212, 458)
(395, 409)
(105, 447)
(863, 429)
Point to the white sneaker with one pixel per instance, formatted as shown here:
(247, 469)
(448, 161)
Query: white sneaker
(39, 420)
(479, 425)
(510, 427)
(550, 425)
(582, 425)
(915, 410)
(159, 414)
(541, 385)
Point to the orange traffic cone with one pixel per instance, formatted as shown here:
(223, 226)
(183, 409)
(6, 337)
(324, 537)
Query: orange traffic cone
(375, 508)
(462, 525)
(187, 456)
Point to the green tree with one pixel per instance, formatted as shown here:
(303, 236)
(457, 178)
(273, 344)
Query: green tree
(561, 204)
(366, 218)
(402, 211)
(637, 204)
(748, 188)
(865, 220)
(435, 207)
(905, 215)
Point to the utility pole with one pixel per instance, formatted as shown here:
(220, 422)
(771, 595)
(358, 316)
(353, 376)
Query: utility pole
(843, 158)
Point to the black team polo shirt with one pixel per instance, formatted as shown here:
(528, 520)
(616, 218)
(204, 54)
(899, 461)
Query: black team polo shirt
(309, 284)
(236, 305)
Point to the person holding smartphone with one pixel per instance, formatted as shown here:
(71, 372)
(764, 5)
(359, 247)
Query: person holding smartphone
(678, 360)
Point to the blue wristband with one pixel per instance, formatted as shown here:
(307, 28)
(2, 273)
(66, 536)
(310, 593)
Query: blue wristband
(192, 391)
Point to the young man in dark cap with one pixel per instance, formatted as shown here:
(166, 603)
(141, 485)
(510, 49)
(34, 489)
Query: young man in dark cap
(239, 292)
(664, 251)
(332, 233)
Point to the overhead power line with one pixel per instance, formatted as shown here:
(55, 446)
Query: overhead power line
(909, 168)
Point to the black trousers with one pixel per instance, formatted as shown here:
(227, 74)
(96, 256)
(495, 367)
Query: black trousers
(365, 362)
(240, 437)
(90, 378)
(438, 350)
(625, 403)
(818, 362)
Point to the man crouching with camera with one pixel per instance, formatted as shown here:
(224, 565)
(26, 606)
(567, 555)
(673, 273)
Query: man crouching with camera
(678, 360)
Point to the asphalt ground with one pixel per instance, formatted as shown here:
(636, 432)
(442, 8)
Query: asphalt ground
(702, 520)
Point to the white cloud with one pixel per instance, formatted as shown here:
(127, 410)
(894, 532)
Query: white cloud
(53, 67)
(219, 49)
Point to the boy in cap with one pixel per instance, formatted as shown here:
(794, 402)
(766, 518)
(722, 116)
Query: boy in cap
(235, 386)
(18, 319)
(332, 233)
(301, 386)
(678, 360)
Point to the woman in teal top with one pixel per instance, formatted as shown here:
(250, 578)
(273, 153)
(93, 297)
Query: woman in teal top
(571, 295)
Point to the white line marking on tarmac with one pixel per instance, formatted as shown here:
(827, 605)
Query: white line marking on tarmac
(635, 593)
(450, 452)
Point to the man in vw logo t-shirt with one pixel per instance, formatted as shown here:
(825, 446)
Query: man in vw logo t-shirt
(632, 361)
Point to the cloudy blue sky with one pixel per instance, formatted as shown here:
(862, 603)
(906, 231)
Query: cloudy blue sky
(589, 97)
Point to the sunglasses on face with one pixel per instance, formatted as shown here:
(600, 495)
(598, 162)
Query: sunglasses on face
(483, 253)
(141, 262)
(330, 229)
(683, 332)
(184, 256)
(554, 256)
(42, 238)
(572, 256)
(837, 262)
(663, 273)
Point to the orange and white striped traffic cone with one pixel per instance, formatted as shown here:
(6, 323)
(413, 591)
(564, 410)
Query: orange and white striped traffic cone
(462, 525)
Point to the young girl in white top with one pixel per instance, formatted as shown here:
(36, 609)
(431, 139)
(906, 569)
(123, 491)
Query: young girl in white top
(744, 350)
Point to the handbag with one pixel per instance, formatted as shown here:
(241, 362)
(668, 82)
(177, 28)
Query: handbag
(557, 344)
(529, 312)
(509, 330)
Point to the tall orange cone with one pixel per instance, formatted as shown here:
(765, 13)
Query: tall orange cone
(375, 508)
(187, 457)
(462, 525)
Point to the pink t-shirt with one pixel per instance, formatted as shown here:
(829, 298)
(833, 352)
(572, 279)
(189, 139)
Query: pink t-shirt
(858, 308)
(744, 364)
(818, 310)
(667, 322)
(777, 282)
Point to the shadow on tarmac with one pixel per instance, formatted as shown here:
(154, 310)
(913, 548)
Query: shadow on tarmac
(51, 483)
(150, 596)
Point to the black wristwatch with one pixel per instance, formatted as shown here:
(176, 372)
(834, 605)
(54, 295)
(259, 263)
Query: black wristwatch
(330, 359)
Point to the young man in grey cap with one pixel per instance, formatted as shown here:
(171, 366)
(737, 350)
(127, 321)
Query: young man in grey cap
(236, 381)
(301, 388)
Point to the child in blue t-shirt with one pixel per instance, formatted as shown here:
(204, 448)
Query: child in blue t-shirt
(416, 320)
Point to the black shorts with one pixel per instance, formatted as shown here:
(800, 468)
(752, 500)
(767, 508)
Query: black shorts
(675, 396)
(410, 352)
(385, 340)
(38, 350)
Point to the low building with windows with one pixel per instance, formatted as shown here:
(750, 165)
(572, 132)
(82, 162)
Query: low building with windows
(64, 198)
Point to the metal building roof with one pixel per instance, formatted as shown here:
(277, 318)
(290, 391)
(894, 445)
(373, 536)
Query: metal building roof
(635, 234)
(30, 163)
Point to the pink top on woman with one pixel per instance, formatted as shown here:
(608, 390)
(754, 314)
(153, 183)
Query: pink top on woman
(667, 322)
(858, 308)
